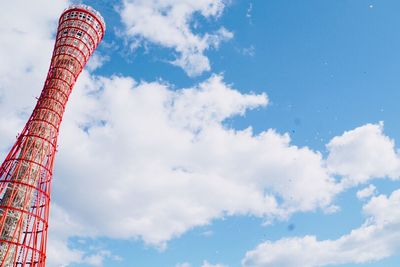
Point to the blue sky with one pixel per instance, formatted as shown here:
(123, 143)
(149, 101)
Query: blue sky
(310, 57)
(220, 133)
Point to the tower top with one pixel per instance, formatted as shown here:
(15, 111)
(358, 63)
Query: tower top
(90, 10)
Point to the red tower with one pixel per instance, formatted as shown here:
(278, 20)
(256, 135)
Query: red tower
(25, 175)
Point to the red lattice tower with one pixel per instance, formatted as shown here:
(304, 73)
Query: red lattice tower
(25, 175)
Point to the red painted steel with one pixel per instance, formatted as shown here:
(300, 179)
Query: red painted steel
(25, 175)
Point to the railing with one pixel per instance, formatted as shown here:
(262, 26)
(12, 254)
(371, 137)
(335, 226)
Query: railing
(91, 10)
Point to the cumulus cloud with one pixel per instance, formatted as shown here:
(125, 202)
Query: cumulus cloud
(363, 153)
(59, 253)
(376, 239)
(366, 192)
(62, 227)
(158, 151)
(168, 23)
(133, 154)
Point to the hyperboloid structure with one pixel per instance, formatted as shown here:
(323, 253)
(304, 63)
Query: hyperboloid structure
(26, 173)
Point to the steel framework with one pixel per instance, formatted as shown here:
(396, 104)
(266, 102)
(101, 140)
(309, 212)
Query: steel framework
(26, 173)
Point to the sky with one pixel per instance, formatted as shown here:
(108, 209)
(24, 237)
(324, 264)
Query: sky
(219, 133)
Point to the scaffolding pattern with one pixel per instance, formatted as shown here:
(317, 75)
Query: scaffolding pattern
(25, 175)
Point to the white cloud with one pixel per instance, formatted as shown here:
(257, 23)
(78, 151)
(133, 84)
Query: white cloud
(248, 51)
(207, 264)
(159, 151)
(377, 238)
(207, 233)
(98, 257)
(362, 154)
(143, 152)
(366, 192)
(62, 227)
(185, 264)
(96, 61)
(210, 103)
(168, 23)
(249, 11)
